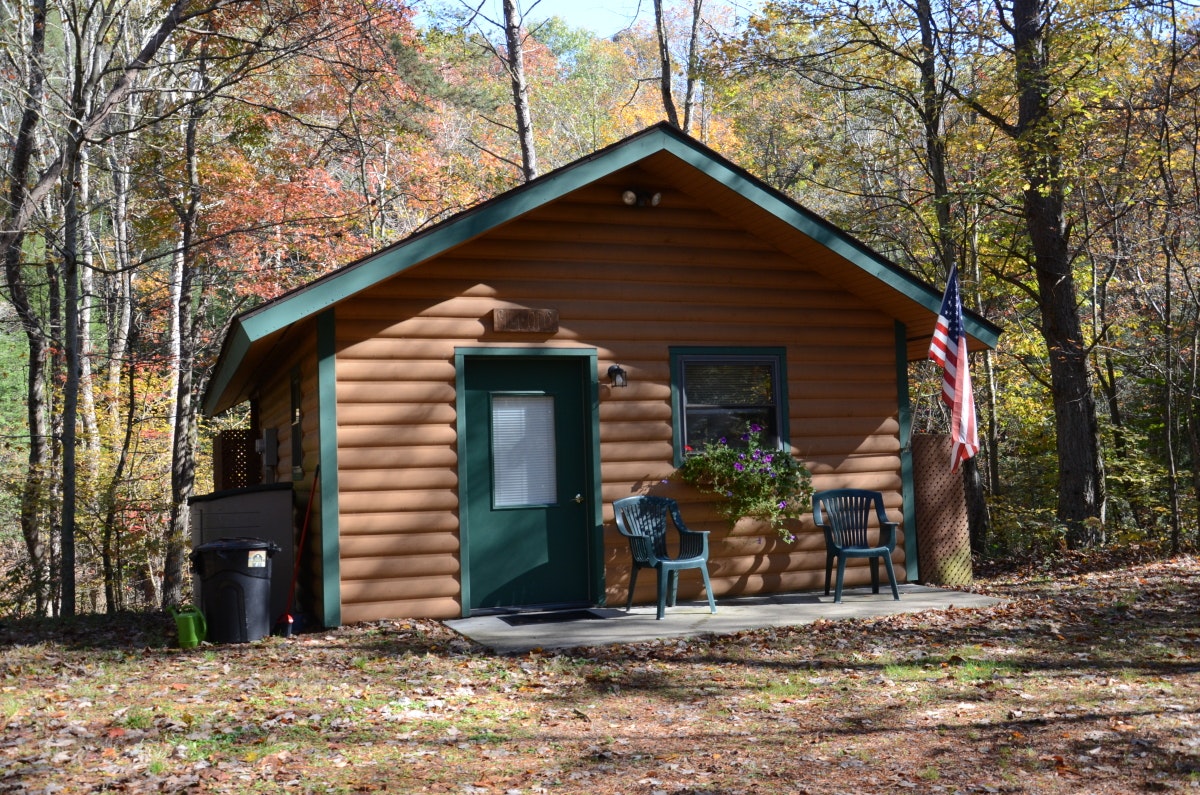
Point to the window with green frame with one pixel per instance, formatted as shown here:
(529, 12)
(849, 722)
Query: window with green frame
(720, 392)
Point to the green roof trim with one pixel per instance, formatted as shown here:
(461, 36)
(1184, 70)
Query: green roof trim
(307, 301)
(237, 345)
(331, 566)
(908, 487)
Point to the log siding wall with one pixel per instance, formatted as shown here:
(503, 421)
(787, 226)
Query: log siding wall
(630, 282)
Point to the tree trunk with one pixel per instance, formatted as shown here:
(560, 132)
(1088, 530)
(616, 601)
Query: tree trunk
(1169, 402)
(33, 529)
(664, 59)
(976, 485)
(689, 97)
(118, 322)
(54, 378)
(71, 241)
(1170, 233)
(1192, 423)
(932, 103)
(520, 89)
(118, 283)
(978, 517)
(87, 286)
(1081, 488)
(37, 479)
(87, 485)
(110, 530)
(183, 459)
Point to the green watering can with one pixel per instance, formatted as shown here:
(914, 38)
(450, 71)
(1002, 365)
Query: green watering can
(190, 624)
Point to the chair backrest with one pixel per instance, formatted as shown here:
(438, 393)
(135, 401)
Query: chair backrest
(643, 520)
(846, 513)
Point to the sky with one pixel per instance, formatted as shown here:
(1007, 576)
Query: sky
(602, 17)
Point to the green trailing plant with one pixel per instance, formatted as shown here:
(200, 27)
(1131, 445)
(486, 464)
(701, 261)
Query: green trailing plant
(754, 479)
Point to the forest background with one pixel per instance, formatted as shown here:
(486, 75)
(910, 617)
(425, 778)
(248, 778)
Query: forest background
(169, 164)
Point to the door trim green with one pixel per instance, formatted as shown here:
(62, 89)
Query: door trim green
(588, 360)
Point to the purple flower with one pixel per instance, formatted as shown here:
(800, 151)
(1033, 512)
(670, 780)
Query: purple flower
(722, 440)
(782, 504)
(738, 466)
(755, 428)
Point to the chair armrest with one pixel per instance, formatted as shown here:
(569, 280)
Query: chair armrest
(830, 543)
(642, 550)
(693, 543)
(887, 535)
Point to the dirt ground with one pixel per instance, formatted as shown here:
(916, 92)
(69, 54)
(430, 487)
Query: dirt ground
(1086, 680)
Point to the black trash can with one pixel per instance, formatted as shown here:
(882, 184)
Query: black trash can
(235, 592)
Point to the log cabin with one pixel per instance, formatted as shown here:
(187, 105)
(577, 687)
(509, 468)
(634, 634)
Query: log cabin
(613, 307)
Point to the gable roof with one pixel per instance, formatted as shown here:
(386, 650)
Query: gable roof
(662, 149)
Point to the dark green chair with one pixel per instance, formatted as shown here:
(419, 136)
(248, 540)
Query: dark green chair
(845, 517)
(643, 520)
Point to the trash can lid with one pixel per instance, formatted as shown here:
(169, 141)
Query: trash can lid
(237, 544)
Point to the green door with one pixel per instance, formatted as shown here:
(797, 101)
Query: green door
(527, 485)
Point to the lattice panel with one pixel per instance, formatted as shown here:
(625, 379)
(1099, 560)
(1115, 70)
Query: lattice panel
(236, 464)
(943, 534)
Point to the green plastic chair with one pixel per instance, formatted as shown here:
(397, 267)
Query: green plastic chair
(845, 517)
(643, 520)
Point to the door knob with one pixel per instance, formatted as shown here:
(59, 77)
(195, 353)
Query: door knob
(579, 498)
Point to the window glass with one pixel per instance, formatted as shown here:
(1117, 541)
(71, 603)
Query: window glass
(722, 395)
(523, 461)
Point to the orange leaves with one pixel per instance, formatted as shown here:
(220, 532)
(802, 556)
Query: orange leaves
(1061, 766)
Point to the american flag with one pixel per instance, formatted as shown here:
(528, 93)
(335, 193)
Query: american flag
(949, 350)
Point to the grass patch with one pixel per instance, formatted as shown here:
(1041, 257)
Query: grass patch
(793, 687)
(137, 718)
(909, 672)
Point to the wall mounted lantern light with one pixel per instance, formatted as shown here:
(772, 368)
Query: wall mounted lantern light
(617, 376)
(641, 198)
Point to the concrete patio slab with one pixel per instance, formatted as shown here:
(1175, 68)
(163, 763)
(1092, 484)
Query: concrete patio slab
(605, 626)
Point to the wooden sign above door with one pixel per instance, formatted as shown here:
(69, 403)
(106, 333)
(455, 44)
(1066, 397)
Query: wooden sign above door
(536, 321)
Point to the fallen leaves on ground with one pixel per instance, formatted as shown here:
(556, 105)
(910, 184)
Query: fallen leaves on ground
(1082, 681)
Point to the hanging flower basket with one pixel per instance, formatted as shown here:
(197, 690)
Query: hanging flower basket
(755, 481)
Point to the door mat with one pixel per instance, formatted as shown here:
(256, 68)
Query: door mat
(556, 617)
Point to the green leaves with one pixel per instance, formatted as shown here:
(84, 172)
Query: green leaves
(754, 481)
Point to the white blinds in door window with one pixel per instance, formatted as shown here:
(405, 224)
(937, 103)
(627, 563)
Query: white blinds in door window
(523, 463)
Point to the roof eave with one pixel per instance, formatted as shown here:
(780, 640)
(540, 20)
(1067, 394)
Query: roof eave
(256, 324)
